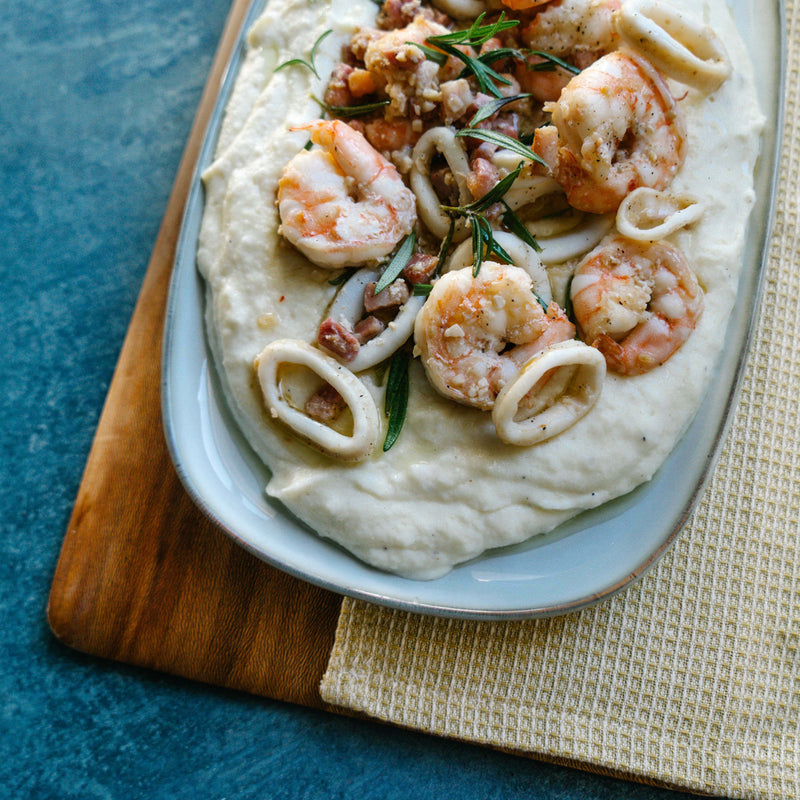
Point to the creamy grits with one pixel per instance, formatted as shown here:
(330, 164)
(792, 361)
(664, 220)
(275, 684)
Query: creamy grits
(449, 488)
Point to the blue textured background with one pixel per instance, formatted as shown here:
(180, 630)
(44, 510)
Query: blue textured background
(98, 98)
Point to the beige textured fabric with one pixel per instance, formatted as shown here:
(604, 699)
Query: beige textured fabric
(690, 677)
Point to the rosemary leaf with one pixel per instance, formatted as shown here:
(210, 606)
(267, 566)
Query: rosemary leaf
(527, 138)
(550, 62)
(395, 403)
(315, 47)
(501, 140)
(568, 309)
(432, 54)
(517, 227)
(493, 248)
(394, 379)
(445, 248)
(380, 372)
(300, 62)
(397, 264)
(352, 111)
(539, 300)
(492, 107)
(422, 289)
(490, 56)
(477, 245)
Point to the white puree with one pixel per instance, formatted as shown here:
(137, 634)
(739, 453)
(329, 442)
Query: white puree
(449, 488)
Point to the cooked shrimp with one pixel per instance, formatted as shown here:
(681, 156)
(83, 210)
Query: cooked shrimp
(578, 30)
(402, 70)
(636, 302)
(461, 9)
(615, 127)
(475, 334)
(343, 204)
(522, 5)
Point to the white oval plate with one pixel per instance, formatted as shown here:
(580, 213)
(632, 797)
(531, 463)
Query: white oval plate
(588, 558)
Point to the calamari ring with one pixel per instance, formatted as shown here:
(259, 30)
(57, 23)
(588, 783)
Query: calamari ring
(574, 242)
(366, 421)
(647, 215)
(444, 141)
(525, 191)
(679, 46)
(577, 390)
(347, 308)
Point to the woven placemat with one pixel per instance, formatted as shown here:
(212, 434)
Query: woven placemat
(691, 678)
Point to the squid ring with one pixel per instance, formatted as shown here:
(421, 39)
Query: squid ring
(580, 371)
(528, 189)
(561, 247)
(442, 140)
(366, 421)
(347, 308)
(679, 46)
(647, 215)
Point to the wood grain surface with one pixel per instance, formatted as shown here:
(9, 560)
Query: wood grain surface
(143, 577)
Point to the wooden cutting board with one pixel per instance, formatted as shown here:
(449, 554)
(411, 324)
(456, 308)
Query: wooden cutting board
(143, 577)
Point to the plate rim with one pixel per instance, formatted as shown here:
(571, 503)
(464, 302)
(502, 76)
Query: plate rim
(767, 177)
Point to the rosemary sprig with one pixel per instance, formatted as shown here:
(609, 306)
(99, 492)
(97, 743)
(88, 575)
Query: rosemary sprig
(487, 77)
(300, 62)
(479, 236)
(484, 245)
(494, 195)
(501, 140)
(351, 111)
(395, 402)
(474, 36)
(477, 33)
(492, 107)
(483, 241)
(398, 263)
